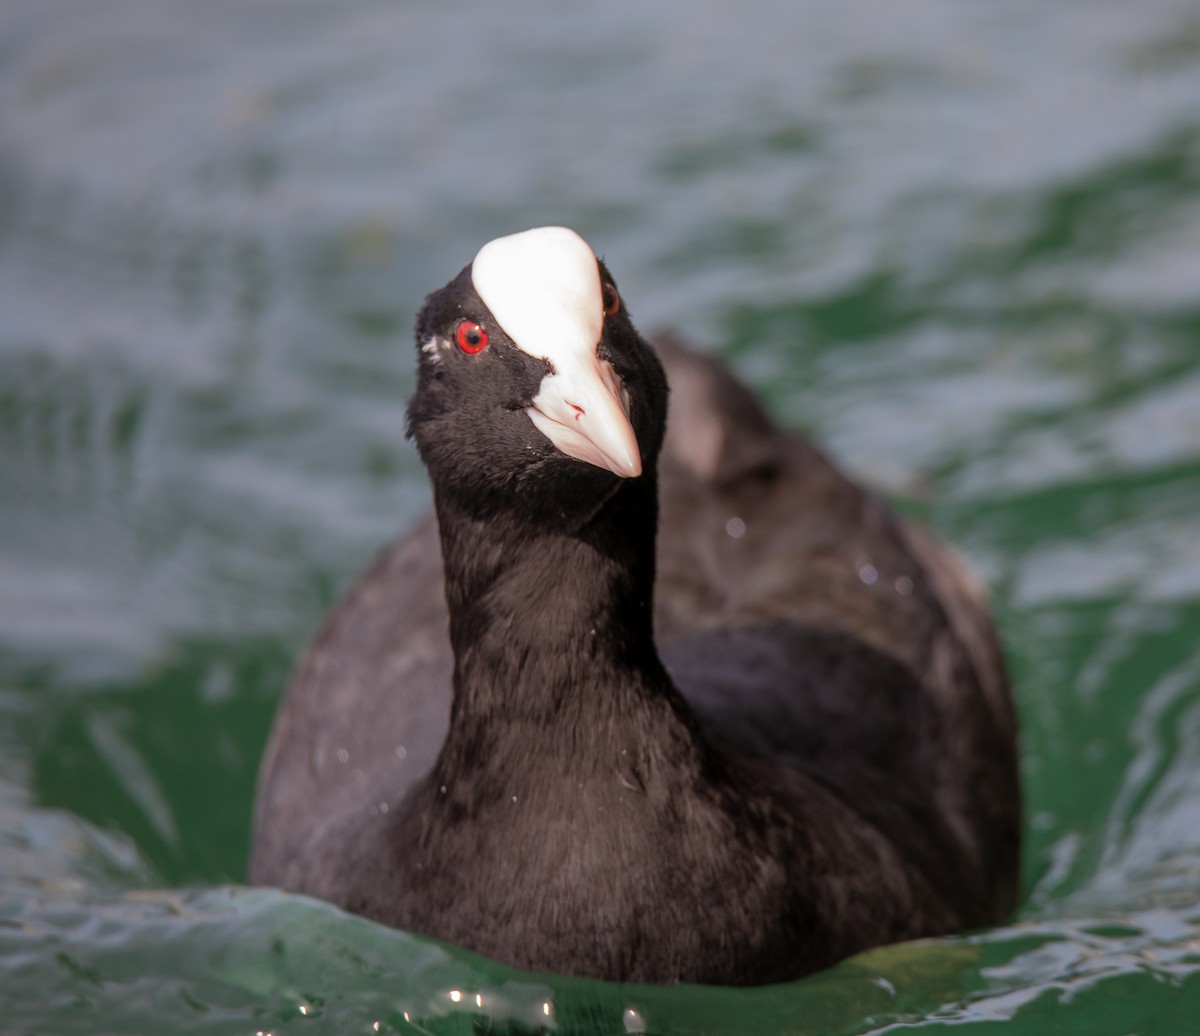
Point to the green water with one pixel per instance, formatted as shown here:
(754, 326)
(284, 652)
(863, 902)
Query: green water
(959, 243)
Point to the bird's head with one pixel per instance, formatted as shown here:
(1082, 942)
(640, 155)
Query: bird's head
(532, 379)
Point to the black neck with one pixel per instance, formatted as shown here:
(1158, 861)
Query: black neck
(552, 630)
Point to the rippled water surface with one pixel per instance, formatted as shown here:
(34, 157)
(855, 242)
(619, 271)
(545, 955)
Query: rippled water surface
(958, 242)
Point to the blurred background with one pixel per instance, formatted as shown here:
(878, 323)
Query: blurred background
(959, 243)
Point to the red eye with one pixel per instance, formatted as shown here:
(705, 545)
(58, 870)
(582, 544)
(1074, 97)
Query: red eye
(612, 301)
(471, 337)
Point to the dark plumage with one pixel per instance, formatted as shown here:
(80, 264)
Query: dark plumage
(829, 766)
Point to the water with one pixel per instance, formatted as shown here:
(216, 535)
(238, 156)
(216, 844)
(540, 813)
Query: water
(960, 243)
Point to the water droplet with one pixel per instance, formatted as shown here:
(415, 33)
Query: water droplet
(456, 995)
(304, 1008)
(634, 1022)
(401, 752)
(383, 807)
(343, 756)
(904, 586)
(868, 574)
(736, 528)
(514, 798)
(546, 1008)
(478, 999)
(442, 789)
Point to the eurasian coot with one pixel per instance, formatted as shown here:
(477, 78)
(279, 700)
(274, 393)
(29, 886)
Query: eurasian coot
(795, 743)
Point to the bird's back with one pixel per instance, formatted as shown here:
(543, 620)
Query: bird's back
(809, 625)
